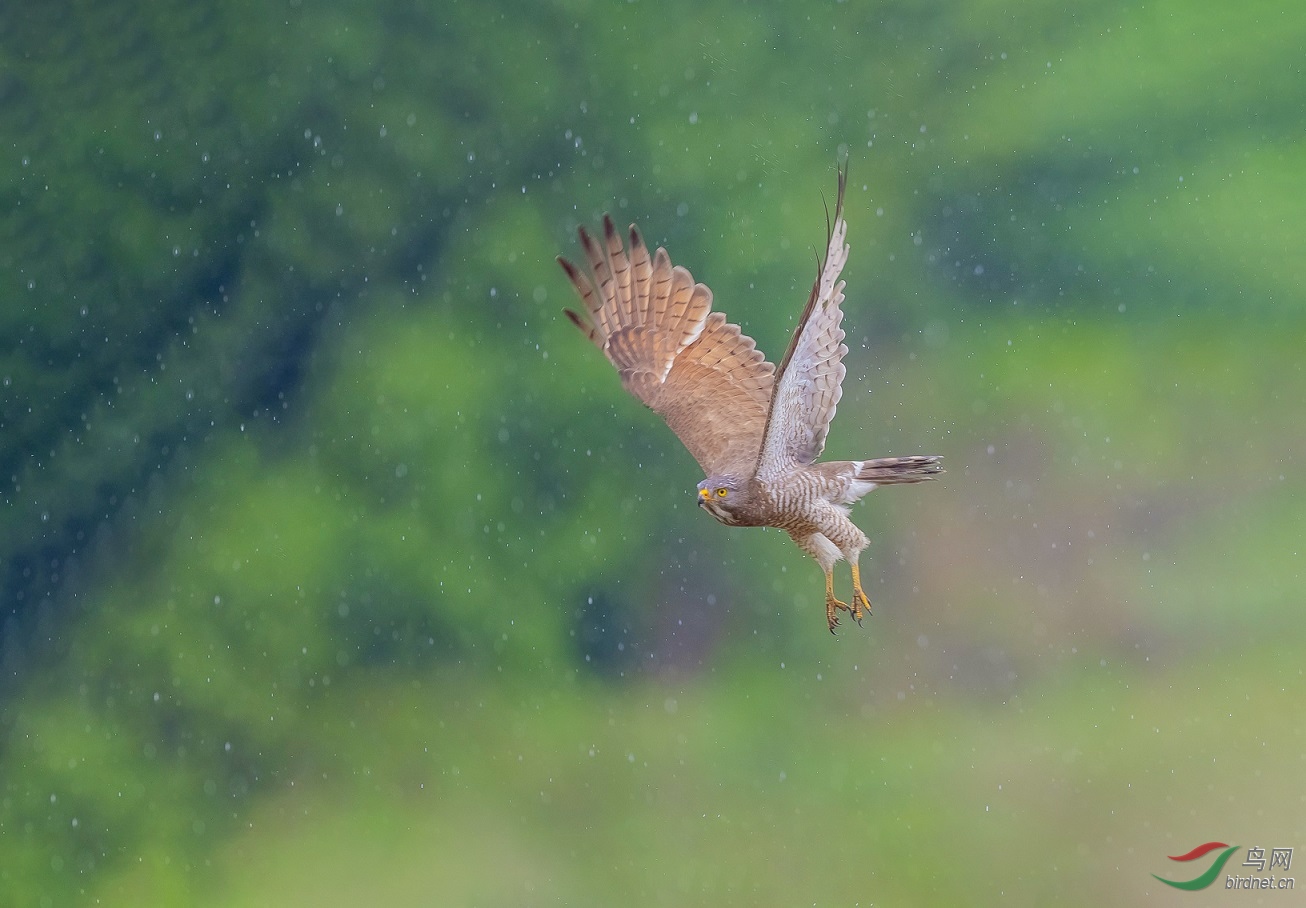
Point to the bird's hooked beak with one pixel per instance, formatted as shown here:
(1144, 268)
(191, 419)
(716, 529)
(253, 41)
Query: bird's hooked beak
(703, 495)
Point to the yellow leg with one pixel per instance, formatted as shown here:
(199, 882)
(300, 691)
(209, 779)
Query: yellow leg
(832, 603)
(859, 595)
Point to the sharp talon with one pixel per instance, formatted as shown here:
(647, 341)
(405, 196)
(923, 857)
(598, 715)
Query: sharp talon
(859, 599)
(832, 604)
(859, 595)
(830, 616)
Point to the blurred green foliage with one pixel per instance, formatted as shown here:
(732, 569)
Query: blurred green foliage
(337, 568)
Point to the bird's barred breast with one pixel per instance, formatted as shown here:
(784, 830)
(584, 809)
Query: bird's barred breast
(797, 501)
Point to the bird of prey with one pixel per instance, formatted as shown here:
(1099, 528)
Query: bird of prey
(756, 429)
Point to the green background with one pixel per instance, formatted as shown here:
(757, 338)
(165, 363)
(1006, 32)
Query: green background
(337, 569)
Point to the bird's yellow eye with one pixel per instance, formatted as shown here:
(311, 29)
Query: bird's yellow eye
(721, 493)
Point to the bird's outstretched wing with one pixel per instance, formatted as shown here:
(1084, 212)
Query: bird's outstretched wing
(656, 326)
(810, 378)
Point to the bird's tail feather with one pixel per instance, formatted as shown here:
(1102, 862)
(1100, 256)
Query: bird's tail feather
(889, 470)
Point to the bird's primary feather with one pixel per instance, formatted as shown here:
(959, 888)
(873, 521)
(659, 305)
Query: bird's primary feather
(655, 324)
(809, 381)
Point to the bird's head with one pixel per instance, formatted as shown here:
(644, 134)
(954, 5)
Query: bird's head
(720, 496)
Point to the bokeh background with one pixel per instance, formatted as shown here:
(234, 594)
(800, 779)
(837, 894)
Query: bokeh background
(337, 569)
